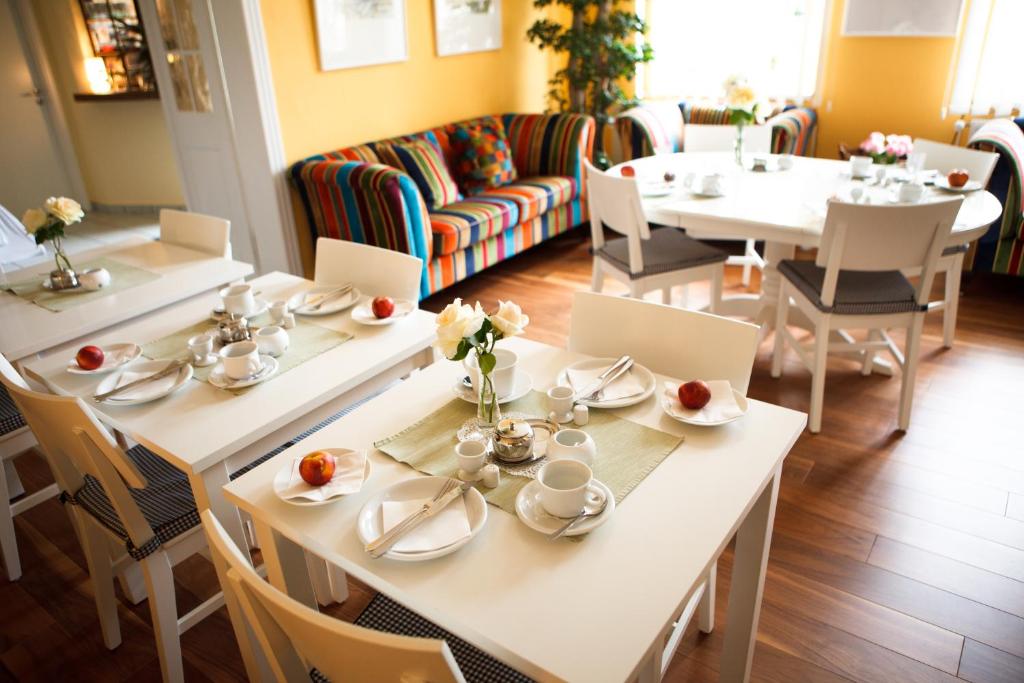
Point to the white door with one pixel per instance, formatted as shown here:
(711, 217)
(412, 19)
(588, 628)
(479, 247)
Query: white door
(31, 168)
(183, 44)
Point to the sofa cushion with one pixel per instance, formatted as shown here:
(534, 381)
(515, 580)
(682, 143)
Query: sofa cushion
(464, 223)
(480, 155)
(534, 196)
(423, 162)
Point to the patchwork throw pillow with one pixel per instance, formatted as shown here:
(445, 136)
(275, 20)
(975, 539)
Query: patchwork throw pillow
(423, 162)
(481, 157)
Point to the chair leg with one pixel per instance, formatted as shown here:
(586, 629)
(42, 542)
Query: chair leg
(716, 288)
(597, 277)
(97, 557)
(869, 355)
(634, 290)
(164, 613)
(952, 301)
(666, 296)
(781, 314)
(910, 370)
(8, 541)
(706, 608)
(818, 375)
(748, 249)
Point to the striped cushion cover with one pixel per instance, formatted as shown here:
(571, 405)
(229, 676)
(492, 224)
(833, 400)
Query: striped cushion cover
(10, 417)
(480, 155)
(793, 131)
(357, 153)
(550, 144)
(422, 162)
(465, 223)
(1005, 136)
(648, 130)
(534, 196)
(709, 115)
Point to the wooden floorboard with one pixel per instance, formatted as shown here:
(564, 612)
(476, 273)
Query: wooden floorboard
(896, 557)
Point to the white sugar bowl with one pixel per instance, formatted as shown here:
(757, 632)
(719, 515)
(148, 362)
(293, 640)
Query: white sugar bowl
(572, 444)
(94, 278)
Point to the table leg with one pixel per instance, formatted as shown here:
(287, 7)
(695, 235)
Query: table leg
(286, 564)
(208, 489)
(753, 540)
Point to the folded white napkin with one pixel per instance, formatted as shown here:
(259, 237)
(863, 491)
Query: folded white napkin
(446, 527)
(349, 470)
(152, 388)
(722, 405)
(626, 385)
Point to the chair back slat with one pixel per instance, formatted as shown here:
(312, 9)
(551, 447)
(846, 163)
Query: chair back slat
(945, 158)
(373, 270)
(208, 234)
(710, 138)
(615, 203)
(668, 340)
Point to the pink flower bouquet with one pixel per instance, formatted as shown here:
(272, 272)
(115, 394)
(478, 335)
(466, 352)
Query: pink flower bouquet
(887, 149)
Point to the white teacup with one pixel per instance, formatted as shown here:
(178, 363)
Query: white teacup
(572, 444)
(503, 376)
(560, 403)
(241, 359)
(563, 487)
(860, 166)
(911, 192)
(471, 455)
(711, 183)
(272, 340)
(238, 299)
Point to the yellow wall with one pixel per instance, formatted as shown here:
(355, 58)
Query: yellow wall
(895, 85)
(123, 148)
(324, 110)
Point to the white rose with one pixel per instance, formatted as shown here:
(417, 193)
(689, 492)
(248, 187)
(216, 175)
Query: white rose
(34, 219)
(510, 319)
(456, 322)
(67, 210)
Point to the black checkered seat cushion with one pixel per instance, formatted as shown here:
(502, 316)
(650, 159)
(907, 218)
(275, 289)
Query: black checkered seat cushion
(10, 416)
(668, 250)
(857, 292)
(166, 502)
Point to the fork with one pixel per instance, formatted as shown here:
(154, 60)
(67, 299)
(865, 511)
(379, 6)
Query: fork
(406, 523)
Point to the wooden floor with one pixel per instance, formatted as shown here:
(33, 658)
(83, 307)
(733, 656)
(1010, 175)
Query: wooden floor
(894, 558)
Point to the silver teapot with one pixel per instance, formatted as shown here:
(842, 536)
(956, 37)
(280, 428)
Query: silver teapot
(514, 437)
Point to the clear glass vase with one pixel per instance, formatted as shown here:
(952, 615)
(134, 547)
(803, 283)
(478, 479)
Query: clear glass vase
(738, 144)
(488, 412)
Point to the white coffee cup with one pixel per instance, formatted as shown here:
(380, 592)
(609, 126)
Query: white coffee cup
(241, 359)
(711, 183)
(911, 192)
(572, 444)
(238, 299)
(200, 346)
(471, 455)
(860, 166)
(272, 340)
(503, 376)
(560, 403)
(563, 487)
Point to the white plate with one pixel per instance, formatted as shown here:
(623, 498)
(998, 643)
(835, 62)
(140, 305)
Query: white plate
(114, 357)
(297, 304)
(218, 379)
(645, 376)
(363, 313)
(523, 386)
(707, 195)
(741, 401)
(970, 186)
(150, 366)
(657, 188)
(530, 512)
(283, 476)
(369, 524)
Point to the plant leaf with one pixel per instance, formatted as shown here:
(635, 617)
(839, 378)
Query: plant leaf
(487, 363)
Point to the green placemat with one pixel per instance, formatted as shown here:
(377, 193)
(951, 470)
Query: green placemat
(626, 451)
(122, 276)
(306, 340)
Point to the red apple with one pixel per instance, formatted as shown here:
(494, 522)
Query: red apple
(383, 306)
(958, 177)
(317, 468)
(89, 357)
(628, 172)
(694, 395)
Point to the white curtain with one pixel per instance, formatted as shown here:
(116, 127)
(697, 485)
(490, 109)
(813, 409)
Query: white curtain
(990, 70)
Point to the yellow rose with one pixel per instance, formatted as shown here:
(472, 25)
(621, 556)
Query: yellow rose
(34, 219)
(64, 209)
(740, 97)
(510, 319)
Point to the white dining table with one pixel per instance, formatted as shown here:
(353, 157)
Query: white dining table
(596, 610)
(209, 433)
(29, 330)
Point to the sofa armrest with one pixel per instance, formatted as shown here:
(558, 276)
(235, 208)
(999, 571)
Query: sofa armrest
(550, 144)
(794, 131)
(362, 202)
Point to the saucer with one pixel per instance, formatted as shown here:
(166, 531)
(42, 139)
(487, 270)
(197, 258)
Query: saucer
(77, 288)
(363, 313)
(114, 357)
(523, 385)
(218, 379)
(210, 359)
(530, 512)
(659, 188)
(971, 186)
(261, 306)
(284, 475)
(297, 303)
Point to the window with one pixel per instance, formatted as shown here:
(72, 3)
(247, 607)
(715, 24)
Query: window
(698, 44)
(987, 76)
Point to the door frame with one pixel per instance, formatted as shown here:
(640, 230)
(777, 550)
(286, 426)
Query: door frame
(27, 28)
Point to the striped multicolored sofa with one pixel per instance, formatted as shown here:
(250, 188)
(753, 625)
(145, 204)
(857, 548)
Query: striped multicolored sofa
(1001, 249)
(349, 194)
(657, 128)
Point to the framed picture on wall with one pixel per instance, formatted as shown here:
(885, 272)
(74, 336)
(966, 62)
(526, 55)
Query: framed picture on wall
(462, 26)
(353, 33)
(901, 17)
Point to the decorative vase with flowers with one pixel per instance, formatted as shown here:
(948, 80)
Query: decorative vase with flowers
(463, 329)
(47, 224)
(741, 101)
(886, 149)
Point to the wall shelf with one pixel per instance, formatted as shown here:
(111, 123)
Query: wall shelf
(117, 96)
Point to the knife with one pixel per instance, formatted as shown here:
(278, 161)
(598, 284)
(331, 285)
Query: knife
(325, 297)
(602, 379)
(387, 540)
(170, 369)
(623, 369)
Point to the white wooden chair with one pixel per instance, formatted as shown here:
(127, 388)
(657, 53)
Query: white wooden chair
(374, 271)
(155, 520)
(643, 259)
(716, 348)
(856, 282)
(979, 165)
(711, 138)
(298, 643)
(207, 234)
